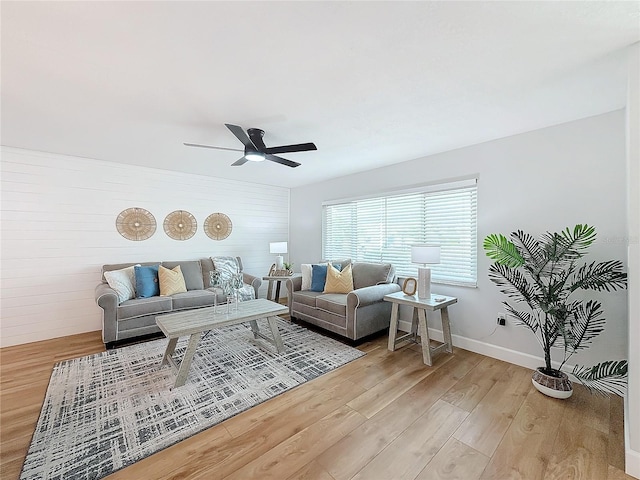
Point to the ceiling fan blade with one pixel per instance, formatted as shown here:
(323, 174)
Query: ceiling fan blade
(241, 135)
(239, 162)
(209, 146)
(282, 161)
(300, 147)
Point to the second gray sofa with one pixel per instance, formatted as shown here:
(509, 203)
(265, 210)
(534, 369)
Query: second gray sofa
(353, 315)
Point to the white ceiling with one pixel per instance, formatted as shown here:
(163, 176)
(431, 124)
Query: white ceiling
(370, 83)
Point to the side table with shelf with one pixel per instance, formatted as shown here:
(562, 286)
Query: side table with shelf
(419, 325)
(277, 279)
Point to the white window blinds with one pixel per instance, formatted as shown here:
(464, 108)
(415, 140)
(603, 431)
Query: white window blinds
(382, 229)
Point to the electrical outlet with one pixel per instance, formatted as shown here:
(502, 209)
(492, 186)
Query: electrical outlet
(502, 319)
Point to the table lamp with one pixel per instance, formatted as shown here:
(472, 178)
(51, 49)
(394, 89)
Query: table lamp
(425, 254)
(279, 248)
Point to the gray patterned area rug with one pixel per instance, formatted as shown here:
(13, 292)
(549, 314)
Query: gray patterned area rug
(106, 411)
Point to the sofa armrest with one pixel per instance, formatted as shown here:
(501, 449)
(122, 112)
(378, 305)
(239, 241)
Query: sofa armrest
(255, 282)
(293, 284)
(107, 299)
(368, 295)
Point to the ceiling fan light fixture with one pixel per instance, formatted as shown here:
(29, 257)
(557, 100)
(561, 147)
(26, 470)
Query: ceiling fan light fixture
(254, 156)
(256, 151)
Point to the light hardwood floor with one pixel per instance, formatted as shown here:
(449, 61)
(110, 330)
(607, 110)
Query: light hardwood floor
(384, 416)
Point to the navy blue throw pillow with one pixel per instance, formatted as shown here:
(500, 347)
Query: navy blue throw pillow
(319, 276)
(147, 284)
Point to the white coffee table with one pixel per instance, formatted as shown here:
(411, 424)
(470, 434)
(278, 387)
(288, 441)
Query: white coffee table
(195, 322)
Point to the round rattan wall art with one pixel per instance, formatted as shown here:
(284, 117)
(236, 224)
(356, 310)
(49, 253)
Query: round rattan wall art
(136, 224)
(180, 225)
(218, 226)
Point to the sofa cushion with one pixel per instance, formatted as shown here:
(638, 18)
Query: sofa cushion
(191, 271)
(338, 281)
(123, 282)
(214, 279)
(335, 303)
(306, 297)
(193, 299)
(171, 281)
(147, 281)
(319, 275)
(322, 318)
(120, 266)
(139, 307)
(368, 274)
(305, 269)
(343, 262)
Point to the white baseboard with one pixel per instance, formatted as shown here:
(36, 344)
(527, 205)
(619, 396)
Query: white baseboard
(494, 351)
(632, 462)
(631, 457)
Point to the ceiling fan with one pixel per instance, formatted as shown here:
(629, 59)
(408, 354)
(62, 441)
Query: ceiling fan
(255, 150)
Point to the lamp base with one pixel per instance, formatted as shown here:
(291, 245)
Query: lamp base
(279, 262)
(424, 282)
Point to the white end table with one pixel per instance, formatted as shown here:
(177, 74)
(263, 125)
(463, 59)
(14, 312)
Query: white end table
(419, 322)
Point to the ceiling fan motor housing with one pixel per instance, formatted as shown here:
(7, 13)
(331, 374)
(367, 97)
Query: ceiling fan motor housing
(252, 150)
(255, 131)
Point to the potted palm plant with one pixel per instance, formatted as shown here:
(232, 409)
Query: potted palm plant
(543, 276)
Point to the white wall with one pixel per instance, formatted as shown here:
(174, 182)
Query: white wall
(538, 181)
(58, 229)
(632, 405)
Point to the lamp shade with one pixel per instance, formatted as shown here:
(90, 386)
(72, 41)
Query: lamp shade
(425, 254)
(278, 247)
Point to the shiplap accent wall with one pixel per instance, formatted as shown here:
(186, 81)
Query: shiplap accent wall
(58, 228)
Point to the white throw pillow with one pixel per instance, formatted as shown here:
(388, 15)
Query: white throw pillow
(305, 268)
(123, 282)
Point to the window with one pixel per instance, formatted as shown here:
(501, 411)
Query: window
(382, 229)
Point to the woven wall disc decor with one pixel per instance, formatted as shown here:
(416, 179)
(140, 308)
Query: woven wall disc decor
(218, 226)
(180, 225)
(136, 224)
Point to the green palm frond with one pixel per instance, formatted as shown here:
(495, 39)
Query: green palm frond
(568, 245)
(604, 378)
(513, 283)
(530, 249)
(524, 319)
(565, 319)
(600, 276)
(556, 291)
(581, 238)
(586, 325)
(500, 249)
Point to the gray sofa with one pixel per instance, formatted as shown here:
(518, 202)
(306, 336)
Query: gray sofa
(137, 317)
(353, 315)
